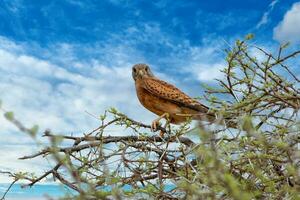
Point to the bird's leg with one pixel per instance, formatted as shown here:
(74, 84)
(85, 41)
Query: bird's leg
(167, 124)
(156, 121)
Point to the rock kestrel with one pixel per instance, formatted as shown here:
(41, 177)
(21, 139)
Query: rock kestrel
(166, 100)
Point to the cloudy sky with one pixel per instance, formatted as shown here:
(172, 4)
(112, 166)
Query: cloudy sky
(60, 58)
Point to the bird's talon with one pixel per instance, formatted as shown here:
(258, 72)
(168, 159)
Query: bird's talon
(154, 126)
(161, 134)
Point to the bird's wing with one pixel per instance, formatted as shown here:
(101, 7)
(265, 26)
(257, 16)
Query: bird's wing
(169, 92)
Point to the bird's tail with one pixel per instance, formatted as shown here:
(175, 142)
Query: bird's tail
(213, 119)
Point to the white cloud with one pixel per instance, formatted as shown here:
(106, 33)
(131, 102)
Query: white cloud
(288, 29)
(265, 18)
(210, 72)
(10, 161)
(54, 97)
(205, 63)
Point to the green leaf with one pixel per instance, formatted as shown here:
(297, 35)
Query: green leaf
(33, 131)
(249, 36)
(113, 110)
(285, 45)
(234, 188)
(21, 175)
(102, 117)
(114, 180)
(57, 139)
(247, 124)
(9, 116)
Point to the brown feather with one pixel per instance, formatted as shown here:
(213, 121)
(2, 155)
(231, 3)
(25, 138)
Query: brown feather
(169, 92)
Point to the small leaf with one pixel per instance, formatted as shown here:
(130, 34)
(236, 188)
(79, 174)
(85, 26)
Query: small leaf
(114, 180)
(113, 110)
(249, 36)
(9, 116)
(285, 45)
(21, 175)
(102, 117)
(247, 124)
(33, 131)
(57, 139)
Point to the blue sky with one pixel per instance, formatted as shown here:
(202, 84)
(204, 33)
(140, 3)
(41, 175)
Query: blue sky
(91, 21)
(60, 58)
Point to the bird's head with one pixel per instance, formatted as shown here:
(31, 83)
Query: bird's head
(140, 71)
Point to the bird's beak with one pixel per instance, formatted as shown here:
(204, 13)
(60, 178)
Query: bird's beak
(141, 73)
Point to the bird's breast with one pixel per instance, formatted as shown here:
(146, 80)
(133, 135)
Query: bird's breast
(157, 104)
(149, 101)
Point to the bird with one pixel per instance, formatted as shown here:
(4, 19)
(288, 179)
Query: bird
(166, 100)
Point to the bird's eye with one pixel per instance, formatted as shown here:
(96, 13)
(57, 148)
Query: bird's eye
(147, 68)
(134, 70)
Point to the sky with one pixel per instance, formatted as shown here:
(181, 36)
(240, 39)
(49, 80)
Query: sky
(60, 58)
